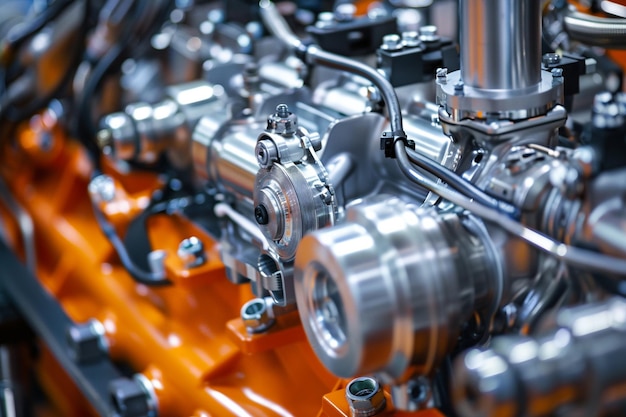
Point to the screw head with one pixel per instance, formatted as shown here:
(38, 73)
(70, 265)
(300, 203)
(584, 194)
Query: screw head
(392, 42)
(102, 188)
(345, 12)
(410, 39)
(429, 33)
(551, 59)
(260, 215)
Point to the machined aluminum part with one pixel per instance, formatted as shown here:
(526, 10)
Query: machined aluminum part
(500, 75)
(142, 132)
(224, 153)
(577, 366)
(388, 289)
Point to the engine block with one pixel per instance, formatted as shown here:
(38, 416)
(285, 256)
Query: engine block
(322, 208)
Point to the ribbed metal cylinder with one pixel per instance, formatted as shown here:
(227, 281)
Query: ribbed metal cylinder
(500, 43)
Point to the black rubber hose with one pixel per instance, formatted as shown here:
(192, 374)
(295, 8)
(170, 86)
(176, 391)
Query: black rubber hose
(139, 275)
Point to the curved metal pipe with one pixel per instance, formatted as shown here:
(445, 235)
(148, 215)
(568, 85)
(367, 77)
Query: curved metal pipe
(597, 31)
(569, 254)
(313, 54)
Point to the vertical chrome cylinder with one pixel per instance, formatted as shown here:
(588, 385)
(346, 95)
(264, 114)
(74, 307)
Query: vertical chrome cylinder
(500, 43)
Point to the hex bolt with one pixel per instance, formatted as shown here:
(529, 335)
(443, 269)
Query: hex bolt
(557, 72)
(391, 42)
(102, 189)
(87, 341)
(428, 33)
(256, 316)
(325, 19)
(345, 12)
(260, 215)
(266, 153)
(551, 59)
(191, 252)
(365, 397)
(410, 39)
(459, 87)
(133, 397)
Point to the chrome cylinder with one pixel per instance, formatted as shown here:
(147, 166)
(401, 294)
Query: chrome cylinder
(500, 43)
(387, 290)
(577, 367)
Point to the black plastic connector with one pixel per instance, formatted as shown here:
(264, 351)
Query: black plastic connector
(389, 139)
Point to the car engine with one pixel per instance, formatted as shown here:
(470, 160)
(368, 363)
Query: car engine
(312, 208)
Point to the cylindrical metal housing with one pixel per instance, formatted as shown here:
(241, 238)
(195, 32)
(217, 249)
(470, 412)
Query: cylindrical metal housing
(500, 43)
(389, 288)
(577, 367)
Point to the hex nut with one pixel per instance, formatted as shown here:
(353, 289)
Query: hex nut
(130, 399)
(365, 397)
(256, 316)
(87, 341)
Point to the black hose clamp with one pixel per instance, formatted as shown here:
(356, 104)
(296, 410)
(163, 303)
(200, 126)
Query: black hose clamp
(388, 141)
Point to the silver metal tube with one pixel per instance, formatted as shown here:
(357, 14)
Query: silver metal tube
(276, 24)
(500, 43)
(596, 31)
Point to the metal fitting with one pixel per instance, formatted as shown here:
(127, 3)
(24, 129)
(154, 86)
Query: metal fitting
(365, 397)
(391, 42)
(156, 261)
(428, 34)
(87, 341)
(410, 39)
(551, 59)
(266, 153)
(191, 252)
(282, 121)
(102, 189)
(133, 397)
(256, 316)
(345, 12)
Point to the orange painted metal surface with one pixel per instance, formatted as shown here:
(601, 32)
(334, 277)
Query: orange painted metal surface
(187, 338)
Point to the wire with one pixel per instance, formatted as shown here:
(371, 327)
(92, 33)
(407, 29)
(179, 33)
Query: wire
(138, 274)
(569, 254)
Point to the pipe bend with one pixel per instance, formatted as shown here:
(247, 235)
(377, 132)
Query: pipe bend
(597, 31)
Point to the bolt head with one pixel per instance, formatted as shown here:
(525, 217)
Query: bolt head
(392, 42)
(129, 398)
(102, 189)
(87, 341)
(551, 59)
(428, 34)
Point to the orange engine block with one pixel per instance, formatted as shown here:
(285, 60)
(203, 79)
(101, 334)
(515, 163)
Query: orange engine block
(186, 339)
